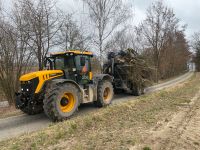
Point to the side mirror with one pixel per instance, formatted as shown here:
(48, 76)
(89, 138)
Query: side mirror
(82, 61)
(74, 69)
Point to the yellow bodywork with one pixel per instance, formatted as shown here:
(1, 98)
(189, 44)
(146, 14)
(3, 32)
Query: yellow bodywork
(90, 75)
(43, 76)
(77, 52)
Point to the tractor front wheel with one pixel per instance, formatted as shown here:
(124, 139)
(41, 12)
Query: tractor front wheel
(61, 101)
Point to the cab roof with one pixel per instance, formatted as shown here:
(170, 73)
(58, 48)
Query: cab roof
(75, 52)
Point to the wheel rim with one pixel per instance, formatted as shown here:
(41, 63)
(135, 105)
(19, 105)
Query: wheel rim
(67, 102)
(107, 94)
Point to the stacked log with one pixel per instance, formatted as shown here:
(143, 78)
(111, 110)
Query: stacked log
(132, 65)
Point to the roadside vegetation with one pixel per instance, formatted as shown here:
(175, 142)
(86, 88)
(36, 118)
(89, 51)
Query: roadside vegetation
(119, 126)
(9, 111)
(196, 47)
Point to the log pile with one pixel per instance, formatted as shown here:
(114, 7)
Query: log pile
(129, 64)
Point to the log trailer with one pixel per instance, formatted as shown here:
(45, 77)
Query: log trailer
(130, 72)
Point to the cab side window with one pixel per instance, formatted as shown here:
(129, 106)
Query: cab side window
(83, 64)
(83, 68)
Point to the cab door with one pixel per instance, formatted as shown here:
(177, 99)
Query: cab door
(83, 69)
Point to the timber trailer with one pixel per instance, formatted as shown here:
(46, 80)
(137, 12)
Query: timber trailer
(125, 80)
(66, 83)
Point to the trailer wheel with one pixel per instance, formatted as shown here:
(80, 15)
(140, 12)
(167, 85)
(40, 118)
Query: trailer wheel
(104, 93)
(137, 91)
(61, 101)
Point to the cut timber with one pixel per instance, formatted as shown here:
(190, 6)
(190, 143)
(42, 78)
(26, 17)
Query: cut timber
(131, 72)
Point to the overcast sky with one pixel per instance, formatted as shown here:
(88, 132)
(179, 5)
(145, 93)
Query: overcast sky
(188, 11)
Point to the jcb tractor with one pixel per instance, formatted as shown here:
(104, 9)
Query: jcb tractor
(66, 83)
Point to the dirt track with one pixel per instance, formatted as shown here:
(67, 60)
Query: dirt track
(182, 132)
(13, 126)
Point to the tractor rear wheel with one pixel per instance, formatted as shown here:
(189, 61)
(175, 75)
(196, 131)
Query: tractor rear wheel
(104, 93)
(61, 101)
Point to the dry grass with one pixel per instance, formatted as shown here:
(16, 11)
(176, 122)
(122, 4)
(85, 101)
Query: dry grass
(9, 111)
(119, 126)
(170, 78)
(2, 97)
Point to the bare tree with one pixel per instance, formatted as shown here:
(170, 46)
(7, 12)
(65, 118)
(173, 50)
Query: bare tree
(15, 59)
(196, 47)
(124, 39)
(106, 16)
(155, 29)
(70, 35)
(42, 25)
(7, 54)
(119, 41)
(177, 47)
(24, 53)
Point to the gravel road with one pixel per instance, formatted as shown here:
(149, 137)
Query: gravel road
(14, 126)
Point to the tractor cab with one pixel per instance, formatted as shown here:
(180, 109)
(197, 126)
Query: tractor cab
(76, 65)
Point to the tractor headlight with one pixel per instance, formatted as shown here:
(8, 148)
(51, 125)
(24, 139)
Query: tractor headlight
(29, 86)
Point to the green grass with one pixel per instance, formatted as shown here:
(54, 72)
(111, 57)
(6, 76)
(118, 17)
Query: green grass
(119, 126)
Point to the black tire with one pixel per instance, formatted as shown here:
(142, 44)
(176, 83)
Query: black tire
(137, 91)
(104, 86)
(54, 98)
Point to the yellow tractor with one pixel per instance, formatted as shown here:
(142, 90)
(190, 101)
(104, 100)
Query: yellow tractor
(66, 83)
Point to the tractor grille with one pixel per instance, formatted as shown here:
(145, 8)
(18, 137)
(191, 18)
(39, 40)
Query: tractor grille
(29, 87)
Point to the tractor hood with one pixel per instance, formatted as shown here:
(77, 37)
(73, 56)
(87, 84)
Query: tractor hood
(41, 77)
(45, 74)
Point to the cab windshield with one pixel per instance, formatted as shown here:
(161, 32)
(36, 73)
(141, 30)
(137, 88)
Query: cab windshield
(63, 63)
